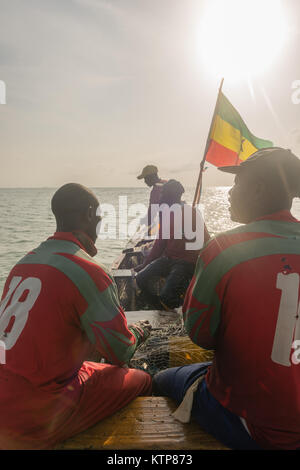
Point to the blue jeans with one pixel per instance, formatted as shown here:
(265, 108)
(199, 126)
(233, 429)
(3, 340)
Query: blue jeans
(177, 273)
(207, 411)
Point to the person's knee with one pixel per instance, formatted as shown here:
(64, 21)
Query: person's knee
(141, 279)
(147, 385)
(163, 383)
(151, 270)
(140, 382)
(156, 389)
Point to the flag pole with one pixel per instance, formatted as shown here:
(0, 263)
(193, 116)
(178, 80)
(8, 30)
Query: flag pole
(199, 182)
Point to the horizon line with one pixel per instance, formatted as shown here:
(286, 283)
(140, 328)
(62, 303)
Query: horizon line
(106, 187)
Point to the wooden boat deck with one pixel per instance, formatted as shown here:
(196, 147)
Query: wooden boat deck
(145, 424)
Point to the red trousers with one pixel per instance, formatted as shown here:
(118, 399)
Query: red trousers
(42, 420)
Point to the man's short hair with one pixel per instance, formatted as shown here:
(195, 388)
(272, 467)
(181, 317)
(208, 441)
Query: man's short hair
(172, 188)
(71, 199)
(279, 168)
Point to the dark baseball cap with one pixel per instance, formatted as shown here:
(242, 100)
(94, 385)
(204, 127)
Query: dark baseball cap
(148, 171)
(273, 164)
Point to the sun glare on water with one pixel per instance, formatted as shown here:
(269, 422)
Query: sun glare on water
(241, 38)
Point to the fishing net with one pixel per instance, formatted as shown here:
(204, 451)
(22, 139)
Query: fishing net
(168, 346)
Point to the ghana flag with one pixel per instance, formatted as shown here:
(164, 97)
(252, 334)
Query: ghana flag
(230, 141)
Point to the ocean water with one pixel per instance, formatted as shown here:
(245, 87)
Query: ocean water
(27, 220)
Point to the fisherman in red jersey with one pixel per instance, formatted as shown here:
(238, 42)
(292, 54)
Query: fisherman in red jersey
(59, 306)
(243, 302)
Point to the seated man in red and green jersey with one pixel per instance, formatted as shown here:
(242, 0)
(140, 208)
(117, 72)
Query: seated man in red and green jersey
(243, 302)
(58, 307)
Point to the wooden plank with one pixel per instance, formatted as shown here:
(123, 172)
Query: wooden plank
(146, 423)
(122, 273)
(157, 318)
(118, 261)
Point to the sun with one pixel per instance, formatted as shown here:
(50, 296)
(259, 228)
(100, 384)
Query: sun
(241, 38)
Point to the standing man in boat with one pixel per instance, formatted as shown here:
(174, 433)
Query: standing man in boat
(58, 307)
(243, 302)
(171, 257)
(151, 178)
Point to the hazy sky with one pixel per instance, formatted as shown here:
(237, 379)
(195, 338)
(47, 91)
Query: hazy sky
(96, 89)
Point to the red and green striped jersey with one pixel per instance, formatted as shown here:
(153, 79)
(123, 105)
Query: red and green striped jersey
(57, 305)
(244, 302)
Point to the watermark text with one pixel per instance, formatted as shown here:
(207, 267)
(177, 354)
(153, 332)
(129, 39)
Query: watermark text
(296, 354)
(178, 221)
(296, 94)
(2, 92)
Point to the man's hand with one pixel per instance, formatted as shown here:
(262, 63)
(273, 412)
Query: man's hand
(141, 329)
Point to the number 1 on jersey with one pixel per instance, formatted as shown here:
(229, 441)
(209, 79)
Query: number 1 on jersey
(287, 328)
